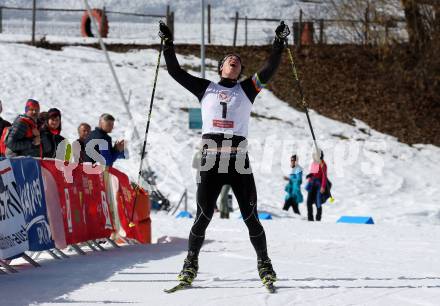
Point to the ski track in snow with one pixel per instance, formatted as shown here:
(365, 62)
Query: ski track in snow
(394, 262)
(317, 264)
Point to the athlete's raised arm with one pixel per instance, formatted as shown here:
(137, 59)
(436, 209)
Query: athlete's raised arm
(195, 85)
(257, 81)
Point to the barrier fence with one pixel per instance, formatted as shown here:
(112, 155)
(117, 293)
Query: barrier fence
(307, 30)
(46, 205)
(237, 30)
(72, 22)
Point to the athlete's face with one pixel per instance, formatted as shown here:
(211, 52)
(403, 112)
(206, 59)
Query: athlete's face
(231, 68)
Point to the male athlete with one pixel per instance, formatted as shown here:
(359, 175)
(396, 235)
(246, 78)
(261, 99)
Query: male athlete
(226, 110)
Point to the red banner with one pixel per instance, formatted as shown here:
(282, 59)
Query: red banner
(85, 206)
(56, 220)
(74, 214)
(89, 180)
(125, 196)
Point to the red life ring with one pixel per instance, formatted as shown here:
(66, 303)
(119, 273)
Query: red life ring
(101, 20)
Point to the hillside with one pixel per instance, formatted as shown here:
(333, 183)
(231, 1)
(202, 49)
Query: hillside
(379, 91)
(371, 172)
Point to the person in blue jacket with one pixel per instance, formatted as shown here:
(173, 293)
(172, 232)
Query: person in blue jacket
(293, 188)
(109, 152)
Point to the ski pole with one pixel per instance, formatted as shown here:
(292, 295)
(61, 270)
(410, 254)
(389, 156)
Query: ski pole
(301, 92)
(131, 224)
(303, 101)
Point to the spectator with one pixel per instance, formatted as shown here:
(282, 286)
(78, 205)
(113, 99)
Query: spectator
(293, 188)
(4, 129)
(3, 122)
(24, 137)
(317, 186)
(84, 130)
(224, 200)
(51, 137)
(109, 152)
(42, 118)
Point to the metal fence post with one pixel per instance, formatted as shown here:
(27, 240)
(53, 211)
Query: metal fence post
(1, 19)
(172, 25)
(170, 20)
(235, 29)
(101, 26)
(34, 11)
(321, 31)
(202, 43)
(245, 31)
(367, 24)
(209, 23)
(300, 28)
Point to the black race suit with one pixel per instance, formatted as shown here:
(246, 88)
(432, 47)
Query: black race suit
(211, 181)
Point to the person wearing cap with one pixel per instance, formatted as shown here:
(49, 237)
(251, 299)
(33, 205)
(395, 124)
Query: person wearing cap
(24, 137)
(3, 123)
(51, 137)
(293, 187)
(109, 152)
(226, 110)
(317, 185)
(4, 130)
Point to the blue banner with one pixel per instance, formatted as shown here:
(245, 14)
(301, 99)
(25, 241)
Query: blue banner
(13, 235)
(27, 172)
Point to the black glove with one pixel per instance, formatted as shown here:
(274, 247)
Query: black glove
(282, 31)
(165, 32)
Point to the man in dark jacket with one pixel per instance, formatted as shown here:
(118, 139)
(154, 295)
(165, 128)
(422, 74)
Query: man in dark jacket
(103, 151)
(3, 122)
(24, 137)
(84, 130)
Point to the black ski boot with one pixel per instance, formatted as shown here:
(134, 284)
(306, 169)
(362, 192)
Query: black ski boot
(266, 272)
(189, 270)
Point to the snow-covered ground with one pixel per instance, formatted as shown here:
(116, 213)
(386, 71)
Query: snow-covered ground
(317, 264)
(394, 262)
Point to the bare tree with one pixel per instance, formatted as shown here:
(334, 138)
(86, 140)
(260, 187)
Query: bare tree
(422, 22)
(367, 21)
